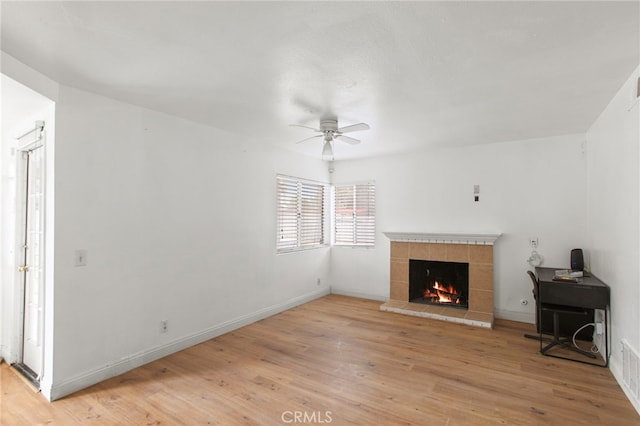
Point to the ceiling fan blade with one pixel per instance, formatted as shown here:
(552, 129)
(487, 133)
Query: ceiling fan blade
(312, 137)
(306, 127)
(353, 128)
(347, 139)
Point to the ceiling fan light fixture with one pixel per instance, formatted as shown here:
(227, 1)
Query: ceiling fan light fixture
(330, 131)
(327, 151)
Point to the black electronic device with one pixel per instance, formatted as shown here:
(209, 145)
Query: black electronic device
(577, 260)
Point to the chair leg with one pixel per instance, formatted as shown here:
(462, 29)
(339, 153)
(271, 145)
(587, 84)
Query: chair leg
(538, 329)
(556, 334)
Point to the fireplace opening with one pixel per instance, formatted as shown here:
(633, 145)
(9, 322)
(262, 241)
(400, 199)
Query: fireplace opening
(439, 283)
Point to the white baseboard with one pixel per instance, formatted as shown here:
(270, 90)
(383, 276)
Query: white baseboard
(529, 318)
(343, 292)
(82, 381)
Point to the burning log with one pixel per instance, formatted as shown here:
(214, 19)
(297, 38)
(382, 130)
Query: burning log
(446, 294)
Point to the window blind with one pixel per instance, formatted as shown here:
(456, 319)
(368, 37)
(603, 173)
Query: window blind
(300, 213)
(355, 214)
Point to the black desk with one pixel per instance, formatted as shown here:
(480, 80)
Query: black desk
(588, 292)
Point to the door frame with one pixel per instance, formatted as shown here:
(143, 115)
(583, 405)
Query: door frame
(37, 141)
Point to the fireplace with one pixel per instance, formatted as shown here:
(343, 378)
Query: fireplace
(439, 283)
(471, 304)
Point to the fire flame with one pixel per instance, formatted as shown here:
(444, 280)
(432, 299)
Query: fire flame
(442, 294)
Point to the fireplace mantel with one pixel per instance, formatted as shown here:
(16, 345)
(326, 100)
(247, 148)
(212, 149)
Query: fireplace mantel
(444, 238)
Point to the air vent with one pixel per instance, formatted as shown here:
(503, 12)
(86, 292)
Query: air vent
(630, 369)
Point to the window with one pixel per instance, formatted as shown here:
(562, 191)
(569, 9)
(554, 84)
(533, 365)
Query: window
(355, 214)
(300, 214)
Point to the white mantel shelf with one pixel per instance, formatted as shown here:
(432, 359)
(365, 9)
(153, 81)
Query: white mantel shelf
(443, 238)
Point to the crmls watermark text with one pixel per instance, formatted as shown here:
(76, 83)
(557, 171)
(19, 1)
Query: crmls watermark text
(317, 417)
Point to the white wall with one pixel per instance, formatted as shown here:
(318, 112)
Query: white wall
(533, 188)
(614, 213)
(178, 220)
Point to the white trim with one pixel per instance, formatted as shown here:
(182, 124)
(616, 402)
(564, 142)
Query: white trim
(444, 238)
(132, 361)
(369, 296)
(526, 317)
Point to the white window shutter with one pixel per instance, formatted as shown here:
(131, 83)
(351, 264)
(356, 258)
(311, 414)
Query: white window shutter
(355, 214)
(300, 214)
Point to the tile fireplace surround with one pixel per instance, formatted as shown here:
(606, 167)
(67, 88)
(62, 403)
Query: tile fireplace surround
(475, 249)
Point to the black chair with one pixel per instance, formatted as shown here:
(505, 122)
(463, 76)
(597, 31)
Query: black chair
(534, 290)
(556, 311)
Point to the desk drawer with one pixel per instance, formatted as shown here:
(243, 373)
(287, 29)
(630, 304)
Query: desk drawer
(570, 294)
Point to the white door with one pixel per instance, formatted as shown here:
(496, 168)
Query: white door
(32, 255)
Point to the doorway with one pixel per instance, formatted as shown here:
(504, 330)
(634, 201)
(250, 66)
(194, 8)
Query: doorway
(30, 250)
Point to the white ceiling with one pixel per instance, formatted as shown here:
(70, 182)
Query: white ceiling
(421, 74)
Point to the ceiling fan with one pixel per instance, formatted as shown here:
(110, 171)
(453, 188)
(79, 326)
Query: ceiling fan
(330, 131)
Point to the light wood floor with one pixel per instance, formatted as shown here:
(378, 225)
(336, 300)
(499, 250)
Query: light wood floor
(341, 361)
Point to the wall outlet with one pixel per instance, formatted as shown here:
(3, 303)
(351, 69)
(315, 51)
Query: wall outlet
(164, 326)
(598, 328)
(533, 242)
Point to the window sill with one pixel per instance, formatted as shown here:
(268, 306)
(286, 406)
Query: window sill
(299, 249)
